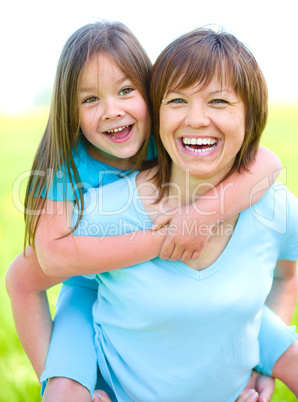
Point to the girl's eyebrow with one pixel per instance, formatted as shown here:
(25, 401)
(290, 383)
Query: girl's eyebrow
(88, 89)
(122, 80)
(117, 82)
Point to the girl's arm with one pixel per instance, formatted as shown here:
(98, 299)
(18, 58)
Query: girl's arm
(82, 255)
(190, 226)
(282, 300)
(283, 295)
(26, 285)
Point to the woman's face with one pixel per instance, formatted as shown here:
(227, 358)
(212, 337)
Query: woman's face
(203, 129)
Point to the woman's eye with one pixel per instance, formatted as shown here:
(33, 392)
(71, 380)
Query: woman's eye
(177, 101)
(219, 101)
(125, 91)
(91, 99)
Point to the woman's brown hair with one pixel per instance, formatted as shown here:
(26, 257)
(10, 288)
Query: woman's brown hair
(54, 155)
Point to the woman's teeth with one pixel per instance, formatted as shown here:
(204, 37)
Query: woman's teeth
(189, 142)
(199, 141)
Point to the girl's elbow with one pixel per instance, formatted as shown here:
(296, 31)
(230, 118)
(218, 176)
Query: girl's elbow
(9, 282)
(51, 266)
(46, 254)
(270, 157)
(13, 280)
(48, 265)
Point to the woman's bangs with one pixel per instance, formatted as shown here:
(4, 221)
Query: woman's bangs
(199, 70)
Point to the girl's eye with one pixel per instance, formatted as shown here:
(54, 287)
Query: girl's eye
(125, 91)
(91, 99)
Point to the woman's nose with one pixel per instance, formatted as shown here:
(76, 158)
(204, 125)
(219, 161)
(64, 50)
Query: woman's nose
(197, 116)
(112, 110)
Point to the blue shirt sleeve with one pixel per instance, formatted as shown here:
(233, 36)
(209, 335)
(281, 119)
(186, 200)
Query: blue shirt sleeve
(289, 245)
(275, 337)
(63, 186)
(91, 171)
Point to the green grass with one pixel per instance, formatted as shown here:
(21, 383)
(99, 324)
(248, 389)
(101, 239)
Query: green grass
(20, 136)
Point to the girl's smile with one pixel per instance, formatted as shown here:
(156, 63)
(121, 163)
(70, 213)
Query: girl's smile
(113, 115)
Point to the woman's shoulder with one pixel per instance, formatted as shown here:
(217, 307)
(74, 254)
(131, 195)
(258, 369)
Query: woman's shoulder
(145, 181)
(277, 210)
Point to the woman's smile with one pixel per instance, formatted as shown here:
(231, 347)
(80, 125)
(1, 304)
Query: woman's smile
(198, 146)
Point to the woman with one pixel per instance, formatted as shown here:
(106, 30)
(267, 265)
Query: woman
(170, 331)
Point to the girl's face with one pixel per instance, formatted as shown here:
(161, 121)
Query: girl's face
(113, 115)
(203, 129)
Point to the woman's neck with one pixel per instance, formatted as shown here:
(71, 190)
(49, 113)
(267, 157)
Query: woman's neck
(181, 192)
(188, 188)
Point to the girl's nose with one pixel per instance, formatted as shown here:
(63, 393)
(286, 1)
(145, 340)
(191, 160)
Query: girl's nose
(197, 116)
(112, 110)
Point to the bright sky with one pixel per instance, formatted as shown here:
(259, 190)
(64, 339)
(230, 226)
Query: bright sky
(32, 34)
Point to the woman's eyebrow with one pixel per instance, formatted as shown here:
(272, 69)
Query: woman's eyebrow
(220, 91)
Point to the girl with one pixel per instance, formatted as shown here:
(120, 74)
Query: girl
(98, 127)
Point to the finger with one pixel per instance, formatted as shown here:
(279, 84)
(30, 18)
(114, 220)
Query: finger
(248, 395)
(155, 227)
(166, 250)
(265, 395)
(266, 389)
(100, 396)
(161, 220)
(176, 254)
(195, 255)
(186, 255)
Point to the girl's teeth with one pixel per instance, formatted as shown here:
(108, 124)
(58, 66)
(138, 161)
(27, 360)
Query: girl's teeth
(117, 129)
(199, 141)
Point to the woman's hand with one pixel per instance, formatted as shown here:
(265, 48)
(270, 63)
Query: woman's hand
(260, 388)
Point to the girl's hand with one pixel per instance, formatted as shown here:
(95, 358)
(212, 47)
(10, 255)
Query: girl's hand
(100, 396)
(260, 388)
(186, 236)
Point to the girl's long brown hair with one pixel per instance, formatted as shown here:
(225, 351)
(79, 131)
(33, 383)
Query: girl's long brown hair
(54, 155)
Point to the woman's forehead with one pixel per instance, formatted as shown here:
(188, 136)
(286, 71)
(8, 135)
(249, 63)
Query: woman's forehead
(217, 82)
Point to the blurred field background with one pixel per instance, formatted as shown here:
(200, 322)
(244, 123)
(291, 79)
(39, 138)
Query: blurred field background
(20, 135)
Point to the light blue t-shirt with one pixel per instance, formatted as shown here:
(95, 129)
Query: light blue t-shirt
(92, 173)
(166, 332)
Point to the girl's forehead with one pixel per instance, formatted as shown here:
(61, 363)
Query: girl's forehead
(101, 66)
